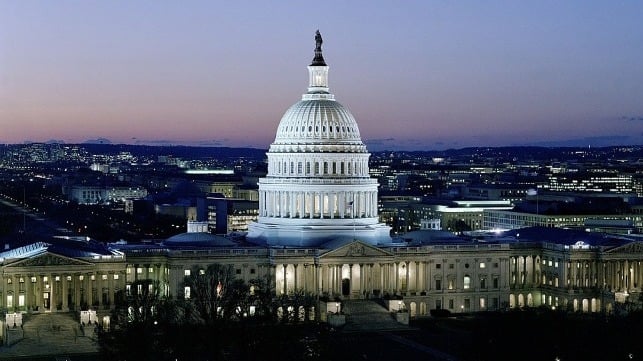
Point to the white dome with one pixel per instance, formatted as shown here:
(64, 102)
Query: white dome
(317, 124)
(318, 187)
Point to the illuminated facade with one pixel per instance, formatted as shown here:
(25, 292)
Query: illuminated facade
(318, 187)
(318, 232)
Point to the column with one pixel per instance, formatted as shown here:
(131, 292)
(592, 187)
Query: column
(295, 286)
(417, 277)
(284, 290)
(65, 292)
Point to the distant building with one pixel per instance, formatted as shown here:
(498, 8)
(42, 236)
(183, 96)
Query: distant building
(102, 195)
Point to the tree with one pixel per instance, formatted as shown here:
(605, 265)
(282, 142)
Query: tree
(138, 325)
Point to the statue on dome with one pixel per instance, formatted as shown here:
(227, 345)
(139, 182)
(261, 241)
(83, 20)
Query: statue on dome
(318, 60)
(318, 41)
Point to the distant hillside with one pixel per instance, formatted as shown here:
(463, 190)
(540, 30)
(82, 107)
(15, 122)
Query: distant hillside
(176, 151)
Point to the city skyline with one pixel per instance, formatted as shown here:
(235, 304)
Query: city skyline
(419, 76)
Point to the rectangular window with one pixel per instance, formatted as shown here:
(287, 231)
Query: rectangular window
(467, 304)
(103, 277)
(482, 265)
(451, 286)
(115, 276)
(483, 283)
(186, 272)
(495, 282)
(186, 292)
(438, 304)
(483, 303)
(128, 289)
(150, 270)
(252, 271)
(33, 280)
(438, 285)
(21, 300)
(9, 301)
(451, 304)
(495, 265)
(451, 266)
(438, 265)
(139, 270)
(494, 303)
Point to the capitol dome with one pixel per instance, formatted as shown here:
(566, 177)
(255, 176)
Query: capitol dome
(318, 125)
(318, 187)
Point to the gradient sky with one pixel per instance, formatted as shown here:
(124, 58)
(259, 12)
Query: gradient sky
(415, 74)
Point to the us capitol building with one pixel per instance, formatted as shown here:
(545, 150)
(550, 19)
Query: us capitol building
(318, 232)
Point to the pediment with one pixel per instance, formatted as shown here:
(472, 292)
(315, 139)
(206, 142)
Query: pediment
(48, 259)
(356, 249)
(630, 248)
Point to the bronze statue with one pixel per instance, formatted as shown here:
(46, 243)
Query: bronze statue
(318, 41)
(318, 60)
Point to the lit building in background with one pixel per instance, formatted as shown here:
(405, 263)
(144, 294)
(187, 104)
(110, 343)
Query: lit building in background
(318, 231)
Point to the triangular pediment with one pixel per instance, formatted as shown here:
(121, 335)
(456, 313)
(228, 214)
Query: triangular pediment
(356, 249)
(48, 259)
(630, 248)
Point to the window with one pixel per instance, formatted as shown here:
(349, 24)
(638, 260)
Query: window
(9, 301)
(438, 265)
(186, 292)
(252, 271)
(139, 270)
(115, 276)
(438, 285)
(186, 272)
(495, 265)
(238, 271)
(451, 284)
(483, 303)
(33, 279)
(451, 266)
(467, 304)
(104, 277)
(495, 282)
(451, 304)
(482, 265)
(438, 304)
(150, 270)
(483, 283)
(467, 282)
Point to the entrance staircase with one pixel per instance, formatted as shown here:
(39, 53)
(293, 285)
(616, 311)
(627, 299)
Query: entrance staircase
(51, 333)
(368, 315)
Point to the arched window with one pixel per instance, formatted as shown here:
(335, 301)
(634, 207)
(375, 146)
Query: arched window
(467, 282)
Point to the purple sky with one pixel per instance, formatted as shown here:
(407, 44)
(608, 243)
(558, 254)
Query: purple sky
(415, 74)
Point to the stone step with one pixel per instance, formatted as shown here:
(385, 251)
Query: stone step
(368, 315)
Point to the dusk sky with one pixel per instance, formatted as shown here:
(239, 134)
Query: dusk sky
(419, 75)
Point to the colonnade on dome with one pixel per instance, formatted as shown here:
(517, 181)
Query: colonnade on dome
(318, 204)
